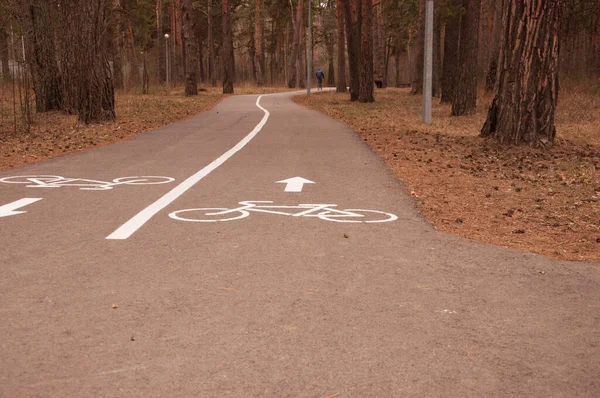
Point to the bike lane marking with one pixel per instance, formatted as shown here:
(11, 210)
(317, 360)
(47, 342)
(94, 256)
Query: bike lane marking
(137, 221)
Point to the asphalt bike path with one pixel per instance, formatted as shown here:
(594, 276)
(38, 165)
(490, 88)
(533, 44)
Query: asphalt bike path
(229, 283)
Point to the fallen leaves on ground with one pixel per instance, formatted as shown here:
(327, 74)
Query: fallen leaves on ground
(544, 201)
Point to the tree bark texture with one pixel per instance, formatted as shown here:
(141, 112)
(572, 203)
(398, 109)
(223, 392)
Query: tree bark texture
(161, 71)
(437, 57)
(419, 61)
(44, 66)
(491, 76)
(341, 48)
(227, 50)
(191, 48)
(258, 43)
(465, 100)
(293, 59)
(450, 64)
(365, 92)
(352, 11)
(210, 43)
(4, 69)
(524, 106)
(379, 51)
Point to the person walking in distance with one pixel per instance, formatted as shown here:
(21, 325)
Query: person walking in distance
(320, 76)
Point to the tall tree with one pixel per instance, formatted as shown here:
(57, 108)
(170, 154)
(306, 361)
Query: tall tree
(227, 56)
(191, 48)
(365, 91)
(524, 106)
(210, 43)
(44, 65)
(465, 100)
(451, 46)
(352, 13)
(258, 43)
(294, 58)
(492, 73)
(419, 60)
(161, 71)
(4, 69)
(341, 48)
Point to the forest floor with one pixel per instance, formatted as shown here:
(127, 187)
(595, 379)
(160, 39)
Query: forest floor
(543, 201)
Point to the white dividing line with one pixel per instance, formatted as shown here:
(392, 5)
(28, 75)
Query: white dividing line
(131, 226)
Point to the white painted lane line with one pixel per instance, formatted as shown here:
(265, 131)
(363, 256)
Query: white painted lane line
(131, 226)
(10, 209)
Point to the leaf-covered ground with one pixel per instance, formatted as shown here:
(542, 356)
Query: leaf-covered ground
(54, 133)
(546, 202)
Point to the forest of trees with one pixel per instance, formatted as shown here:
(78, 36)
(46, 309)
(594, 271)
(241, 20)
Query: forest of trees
(75, 53)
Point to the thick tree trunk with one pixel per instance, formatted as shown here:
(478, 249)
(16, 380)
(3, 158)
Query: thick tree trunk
(227, 50)
(450, 64)
(258, 41)
(379, 51)
(210, 43)
(341, 48)
(397, 61)
(524, 107)
(4, 69)
(134, 66)
(437, 58)
(418, 61)
(352, 13)
(293, 59)
(161, 70)
(191, 48)
(330, 62)
(46, 74)
(365, 91)
(492, 73)
(465, 100)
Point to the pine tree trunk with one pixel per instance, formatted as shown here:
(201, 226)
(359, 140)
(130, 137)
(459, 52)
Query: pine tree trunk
(44, 66)
(465, 100)
(450, 64)
(341, 48)
(330, 61)
(293, 59)
(437, 58)
(191, 48)
(352, 11)
(524, 106)
(397, 61)
(419, 60)
(379, 51)
(258, 40)
(365, 91)
(210, 43)
(4, 70)
(492, 73)
(161, 70)
(227, 50)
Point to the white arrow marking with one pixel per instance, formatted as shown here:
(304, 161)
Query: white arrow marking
(9, 209)
(295, 184)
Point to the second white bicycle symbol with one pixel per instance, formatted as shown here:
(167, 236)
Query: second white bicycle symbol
(327, 212)
(47, 181)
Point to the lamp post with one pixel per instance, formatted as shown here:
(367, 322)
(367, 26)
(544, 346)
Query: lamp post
(428, 64)
(167, 56)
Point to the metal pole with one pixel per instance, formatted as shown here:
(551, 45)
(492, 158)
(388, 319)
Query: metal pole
(428, 64)
(309, 49)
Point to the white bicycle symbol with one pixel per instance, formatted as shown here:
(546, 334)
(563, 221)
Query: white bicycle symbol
(325, 212)
(48, 181)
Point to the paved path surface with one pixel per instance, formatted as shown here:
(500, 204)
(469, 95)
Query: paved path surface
(270, 305)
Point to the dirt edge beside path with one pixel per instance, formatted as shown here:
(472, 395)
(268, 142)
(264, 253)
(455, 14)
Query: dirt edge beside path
(547, 202)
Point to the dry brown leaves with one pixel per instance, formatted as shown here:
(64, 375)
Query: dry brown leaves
(546, 202)
(55, 134)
